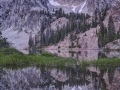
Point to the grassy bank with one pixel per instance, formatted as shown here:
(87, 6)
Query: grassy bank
(12, 57)
(103, 62)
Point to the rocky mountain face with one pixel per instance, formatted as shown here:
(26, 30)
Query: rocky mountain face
(84, 6)
(19, 18)
(37, 19)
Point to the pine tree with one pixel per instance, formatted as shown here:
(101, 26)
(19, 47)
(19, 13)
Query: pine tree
(102, 29)
(30, 41)
(102, 37)
(118, 34)
(111, 29)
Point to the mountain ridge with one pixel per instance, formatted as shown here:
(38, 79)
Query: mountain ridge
(21, 18)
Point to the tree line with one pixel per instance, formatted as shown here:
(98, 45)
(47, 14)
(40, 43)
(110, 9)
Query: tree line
(107, 34)
(3, 41)
(78, 24)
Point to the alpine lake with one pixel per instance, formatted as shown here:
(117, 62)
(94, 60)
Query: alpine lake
(76, 77)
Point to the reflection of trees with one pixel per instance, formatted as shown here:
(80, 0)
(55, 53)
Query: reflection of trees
(34, 77)
(3, 82)
(101, 55)
(34, 50)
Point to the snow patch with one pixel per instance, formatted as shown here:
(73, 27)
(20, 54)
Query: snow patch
(74, 8)
(73, 88)
(82, 7)
(52, 2)
(79, 87)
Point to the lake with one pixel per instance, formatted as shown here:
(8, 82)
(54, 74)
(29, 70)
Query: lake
(59, 78)
(65, 77)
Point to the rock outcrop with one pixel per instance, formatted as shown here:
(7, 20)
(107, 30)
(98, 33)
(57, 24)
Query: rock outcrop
(113, 45)
(19, 19)
(84, 41)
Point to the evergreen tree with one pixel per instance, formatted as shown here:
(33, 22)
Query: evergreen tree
(118, 34)
(102, 37)
(30, 41)
(3, 41)
(111, 29)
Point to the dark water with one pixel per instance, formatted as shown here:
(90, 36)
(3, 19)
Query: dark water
(60, 78)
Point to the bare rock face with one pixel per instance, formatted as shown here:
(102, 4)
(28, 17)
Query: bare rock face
(89, 39)
(113, 45)
(22, 14)
(115, 13)
(84, 41)
(58, 23)
(19, 18)
(113, 54)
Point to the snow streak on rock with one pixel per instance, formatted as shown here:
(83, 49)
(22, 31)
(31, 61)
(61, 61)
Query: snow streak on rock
(82, 7)
(52, 2)
(74, 8)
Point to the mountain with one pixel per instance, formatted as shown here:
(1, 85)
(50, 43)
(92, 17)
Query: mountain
(83, 6)
(19, 18)
(37, 23)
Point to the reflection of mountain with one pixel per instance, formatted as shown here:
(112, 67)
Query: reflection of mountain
(113, 54)
(80, 55)
(85, 54)
(65, 78)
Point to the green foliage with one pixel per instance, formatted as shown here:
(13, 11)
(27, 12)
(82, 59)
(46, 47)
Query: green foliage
(30, 43)
(73, 37)
(118, 34)
(17, 59)
(3, 41)
(107, 61)
(103, 36)
(111, 29)
(47, 54)
(77, 23)
(7, 51)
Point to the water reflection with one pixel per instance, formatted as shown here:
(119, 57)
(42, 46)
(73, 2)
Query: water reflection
(60, 78)
(80, 55)
(86, 54)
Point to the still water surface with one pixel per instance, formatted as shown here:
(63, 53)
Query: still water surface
(63, 78)
(60, 78)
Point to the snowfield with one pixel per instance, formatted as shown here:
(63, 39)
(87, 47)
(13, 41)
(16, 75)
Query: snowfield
(74, 8)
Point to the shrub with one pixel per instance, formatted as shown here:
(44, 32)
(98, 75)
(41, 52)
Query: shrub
(8, 51)
(47, 54)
